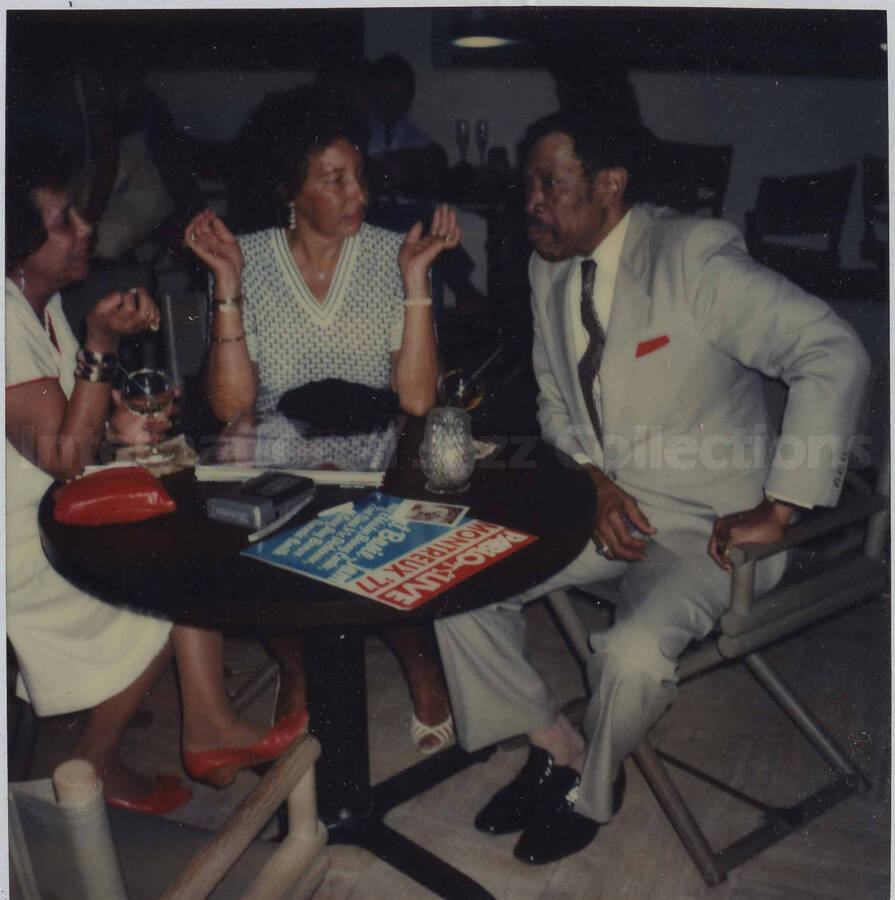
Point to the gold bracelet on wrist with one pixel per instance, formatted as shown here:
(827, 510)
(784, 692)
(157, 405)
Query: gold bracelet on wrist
(233, 340)
(227, 301)
(422, 301)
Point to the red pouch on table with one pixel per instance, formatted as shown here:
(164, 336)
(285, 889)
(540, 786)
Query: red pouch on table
(128, 494)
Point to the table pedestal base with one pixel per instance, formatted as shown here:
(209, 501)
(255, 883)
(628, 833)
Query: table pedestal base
(352, 808)
(371, 833)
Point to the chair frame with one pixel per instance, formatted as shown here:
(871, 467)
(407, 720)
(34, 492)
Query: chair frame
(299, 864)
(681, 171)
(749, 625)
(875, 195)
(803, 212)
(294, 869)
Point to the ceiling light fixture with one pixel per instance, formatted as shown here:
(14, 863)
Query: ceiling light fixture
(481, 41)
(482, 29)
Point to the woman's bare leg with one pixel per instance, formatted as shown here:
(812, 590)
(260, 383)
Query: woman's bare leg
(105, 725)
(415, 647)
(208, 722)
(288, 650)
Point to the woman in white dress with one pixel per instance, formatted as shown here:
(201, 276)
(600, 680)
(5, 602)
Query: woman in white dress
(329, 297)
(76, 652)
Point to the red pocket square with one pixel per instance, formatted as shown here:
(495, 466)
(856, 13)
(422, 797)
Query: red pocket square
(645, 347)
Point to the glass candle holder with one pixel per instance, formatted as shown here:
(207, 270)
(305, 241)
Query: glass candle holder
(447, 452)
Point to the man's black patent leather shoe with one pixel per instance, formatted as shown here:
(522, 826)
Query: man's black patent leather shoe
(556, 830)
(512, 807)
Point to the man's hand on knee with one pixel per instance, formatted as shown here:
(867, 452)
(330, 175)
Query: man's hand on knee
(617, 513)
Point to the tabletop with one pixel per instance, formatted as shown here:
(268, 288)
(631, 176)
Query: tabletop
(188, 568)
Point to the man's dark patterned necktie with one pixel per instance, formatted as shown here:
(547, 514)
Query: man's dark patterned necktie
(589, 364)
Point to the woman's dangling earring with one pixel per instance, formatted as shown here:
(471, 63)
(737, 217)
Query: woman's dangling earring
(291, 216)
(21, 274)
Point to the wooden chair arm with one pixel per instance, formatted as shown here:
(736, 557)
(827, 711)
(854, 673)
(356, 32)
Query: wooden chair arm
(210, 865)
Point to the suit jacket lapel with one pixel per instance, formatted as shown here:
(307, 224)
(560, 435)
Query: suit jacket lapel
(630, 307)
(558, 311)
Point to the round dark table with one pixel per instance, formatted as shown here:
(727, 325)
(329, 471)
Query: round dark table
(188, 568)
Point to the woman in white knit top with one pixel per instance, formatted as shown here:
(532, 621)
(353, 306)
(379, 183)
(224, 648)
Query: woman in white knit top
(329, 297)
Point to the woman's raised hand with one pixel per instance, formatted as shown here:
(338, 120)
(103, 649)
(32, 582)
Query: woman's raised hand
(210, 239)
(418, 252)
(119, 314)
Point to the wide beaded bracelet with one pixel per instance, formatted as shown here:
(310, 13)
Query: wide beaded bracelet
(97, 375)
(92, 358)
(95, 367)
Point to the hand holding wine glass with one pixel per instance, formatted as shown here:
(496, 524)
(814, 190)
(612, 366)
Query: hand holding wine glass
(149, 394)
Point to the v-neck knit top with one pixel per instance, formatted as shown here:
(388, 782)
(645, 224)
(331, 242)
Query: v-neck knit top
(295, 339)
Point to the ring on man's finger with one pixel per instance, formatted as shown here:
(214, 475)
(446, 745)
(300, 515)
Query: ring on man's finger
(604, 549)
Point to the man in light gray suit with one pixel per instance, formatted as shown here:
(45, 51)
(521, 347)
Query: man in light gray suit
(651, 332)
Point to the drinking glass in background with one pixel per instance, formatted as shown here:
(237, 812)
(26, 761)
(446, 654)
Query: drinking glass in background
(461, 132)
(149, 394)
(481, 139)
(457, 387)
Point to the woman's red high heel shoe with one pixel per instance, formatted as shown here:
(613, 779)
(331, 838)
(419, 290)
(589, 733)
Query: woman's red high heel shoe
(169, 793)
(219, 767)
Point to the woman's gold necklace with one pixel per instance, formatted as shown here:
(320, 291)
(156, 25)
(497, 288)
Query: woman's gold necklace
(319, 274)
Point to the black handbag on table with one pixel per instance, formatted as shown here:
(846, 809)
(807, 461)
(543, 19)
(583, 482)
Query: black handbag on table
(334, 406)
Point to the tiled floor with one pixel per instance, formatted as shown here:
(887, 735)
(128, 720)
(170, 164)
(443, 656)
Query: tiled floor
(722, 722)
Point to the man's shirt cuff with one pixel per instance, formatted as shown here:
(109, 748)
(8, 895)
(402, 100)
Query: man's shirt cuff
(790, 501)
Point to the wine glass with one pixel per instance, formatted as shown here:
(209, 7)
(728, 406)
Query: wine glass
(481, 139)
(461, 132)
(455, 388)
(149, 394)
